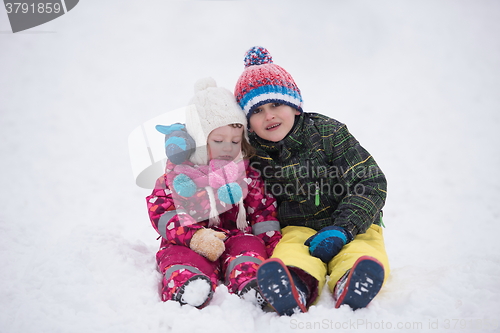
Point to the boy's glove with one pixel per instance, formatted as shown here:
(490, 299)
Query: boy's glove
(208, 243)
(328, 242)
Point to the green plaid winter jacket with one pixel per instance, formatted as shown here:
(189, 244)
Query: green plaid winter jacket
(321, 176)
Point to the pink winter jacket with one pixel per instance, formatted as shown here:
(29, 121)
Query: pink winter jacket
(176, 219)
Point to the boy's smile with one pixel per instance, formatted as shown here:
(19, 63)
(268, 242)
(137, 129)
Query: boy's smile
(273, 121)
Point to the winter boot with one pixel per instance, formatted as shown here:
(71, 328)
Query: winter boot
(359, 285)
(279, 288)
(250, 292)
(197, 291)
(187, 285)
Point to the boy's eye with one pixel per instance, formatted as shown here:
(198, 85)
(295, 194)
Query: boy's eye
(257, 110)
(277, 104)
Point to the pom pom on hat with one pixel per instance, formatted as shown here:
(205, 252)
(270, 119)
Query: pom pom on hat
(257, 55)
(264, 82)
(204, 84)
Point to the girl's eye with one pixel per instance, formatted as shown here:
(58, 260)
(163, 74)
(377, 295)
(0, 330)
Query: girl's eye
(216, 141)
(256, 110)
(277, 104)
(236, 142)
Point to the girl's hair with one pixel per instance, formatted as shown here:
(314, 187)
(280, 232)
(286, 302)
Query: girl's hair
(246, 149)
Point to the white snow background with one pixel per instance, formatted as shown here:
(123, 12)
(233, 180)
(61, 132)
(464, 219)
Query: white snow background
(417, 83)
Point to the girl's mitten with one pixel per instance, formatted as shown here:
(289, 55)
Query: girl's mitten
(208, 243)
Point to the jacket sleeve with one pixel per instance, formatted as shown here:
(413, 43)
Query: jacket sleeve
(364, 185)
(174, 225)
(261, 211)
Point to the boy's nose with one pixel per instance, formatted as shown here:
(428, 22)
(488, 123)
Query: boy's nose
(269, 114)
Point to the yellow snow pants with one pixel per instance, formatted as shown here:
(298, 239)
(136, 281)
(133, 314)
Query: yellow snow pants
(292, 251)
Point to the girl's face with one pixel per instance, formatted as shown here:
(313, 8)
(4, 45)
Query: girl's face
(273, 121)
(224, 143)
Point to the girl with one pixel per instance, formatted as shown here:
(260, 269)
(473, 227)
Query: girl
(215, 220)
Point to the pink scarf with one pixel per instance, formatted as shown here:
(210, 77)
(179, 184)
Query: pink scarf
(227, 178)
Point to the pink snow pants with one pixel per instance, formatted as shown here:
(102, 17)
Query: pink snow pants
(235, 267)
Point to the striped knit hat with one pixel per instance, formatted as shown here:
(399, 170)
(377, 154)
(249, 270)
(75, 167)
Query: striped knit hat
(264, 82)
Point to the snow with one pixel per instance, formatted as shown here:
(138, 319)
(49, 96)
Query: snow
(196, 292)
(417, 83)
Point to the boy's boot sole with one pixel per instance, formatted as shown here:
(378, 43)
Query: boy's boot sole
(278, 288)
(360, 284)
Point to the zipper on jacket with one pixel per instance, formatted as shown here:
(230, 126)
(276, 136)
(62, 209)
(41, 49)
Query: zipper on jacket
(316, 196)
(381, 220)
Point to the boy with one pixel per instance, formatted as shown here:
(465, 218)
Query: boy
(330, 194)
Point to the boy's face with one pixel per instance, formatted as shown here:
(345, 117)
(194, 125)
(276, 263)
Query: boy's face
(273, 121)
(224, 143)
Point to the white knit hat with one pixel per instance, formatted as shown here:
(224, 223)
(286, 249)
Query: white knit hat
(215, 107)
